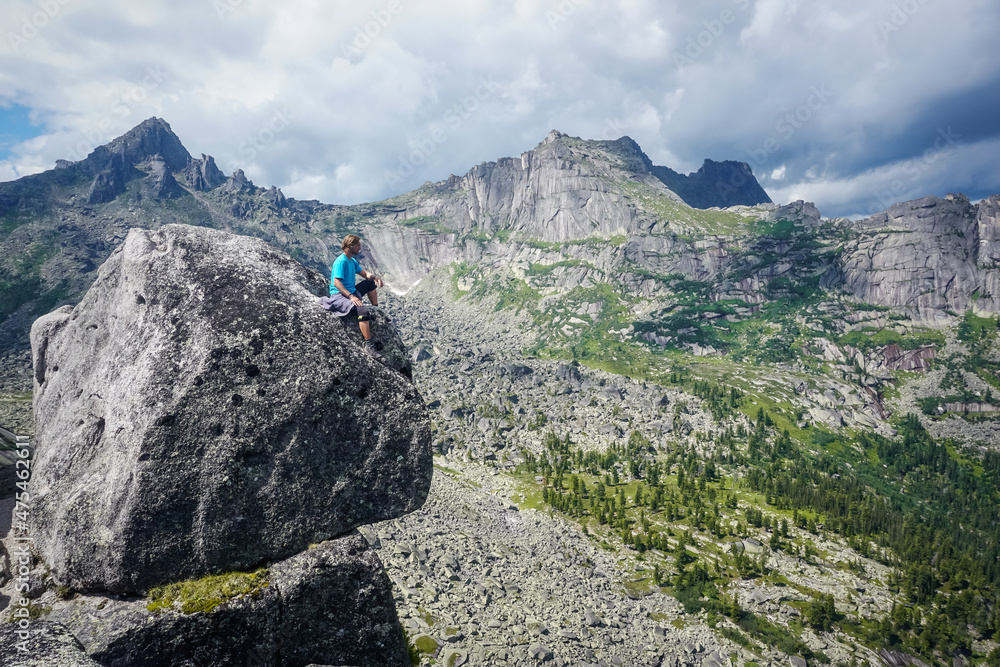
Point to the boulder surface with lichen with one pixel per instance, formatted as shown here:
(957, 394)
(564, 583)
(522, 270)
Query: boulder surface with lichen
(198, 412)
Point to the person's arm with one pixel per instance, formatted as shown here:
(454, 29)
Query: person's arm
(369, 274)
(343, 290)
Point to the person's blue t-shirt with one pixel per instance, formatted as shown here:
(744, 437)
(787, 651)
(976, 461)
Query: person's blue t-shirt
(344, 268)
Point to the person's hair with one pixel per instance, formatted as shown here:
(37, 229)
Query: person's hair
(348, 241)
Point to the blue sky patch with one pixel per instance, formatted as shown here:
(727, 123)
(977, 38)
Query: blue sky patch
(15, 127)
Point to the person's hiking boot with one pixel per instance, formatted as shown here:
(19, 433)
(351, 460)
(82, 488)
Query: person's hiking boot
(372, 351)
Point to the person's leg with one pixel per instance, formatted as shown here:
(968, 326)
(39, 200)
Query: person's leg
(364, 321)
(367, 287)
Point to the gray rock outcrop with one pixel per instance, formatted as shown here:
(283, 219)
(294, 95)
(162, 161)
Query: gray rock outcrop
(203, 174)
(112, 180)
(114, 165)
(919, 257)
(898, 359)
(331, 604)
(198, 412)
(238, 182)
(42, 644)
(988, 255)
(160, 184)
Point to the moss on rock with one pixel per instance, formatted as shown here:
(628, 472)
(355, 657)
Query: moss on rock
(206, 593)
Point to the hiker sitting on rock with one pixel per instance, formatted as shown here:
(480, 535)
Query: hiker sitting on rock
(345, 295)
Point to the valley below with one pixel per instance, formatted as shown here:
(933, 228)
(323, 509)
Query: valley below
(489, 572)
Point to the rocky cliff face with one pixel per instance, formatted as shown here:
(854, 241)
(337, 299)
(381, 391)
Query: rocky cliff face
(988, 256)
(562, 191)
(199, 412)
(919, 257)
(554, 193)
(928, 259)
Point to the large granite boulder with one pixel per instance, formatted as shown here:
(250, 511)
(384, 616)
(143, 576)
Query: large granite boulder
(198, 411)
(331, 604)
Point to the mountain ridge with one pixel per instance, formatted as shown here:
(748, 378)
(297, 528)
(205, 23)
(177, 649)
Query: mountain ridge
(569, 225)
(753, 412)
(149, 167)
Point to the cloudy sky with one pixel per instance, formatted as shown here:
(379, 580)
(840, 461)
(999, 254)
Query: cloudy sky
(852, 104)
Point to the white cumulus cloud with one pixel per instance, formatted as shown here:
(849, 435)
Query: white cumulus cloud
(374, 97)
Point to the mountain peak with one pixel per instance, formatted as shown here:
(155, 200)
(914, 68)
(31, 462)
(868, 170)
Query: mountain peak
(630, 152)
(552, 136)
(722, 184)
(114, 164)
(726, 183)
(151, 137)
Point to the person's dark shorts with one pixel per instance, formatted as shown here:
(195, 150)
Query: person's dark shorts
(365, 286)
